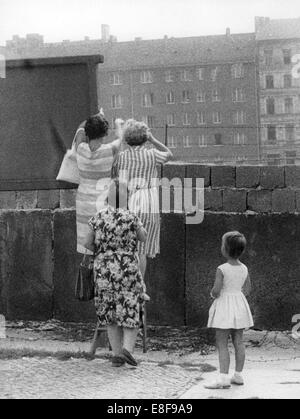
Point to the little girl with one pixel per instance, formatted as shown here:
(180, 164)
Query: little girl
(230, 313)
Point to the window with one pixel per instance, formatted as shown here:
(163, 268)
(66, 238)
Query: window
(186, 119)
(201, 96)
(115, 79)
(202, 140)
(218, 139)
(149, 120)
(200, 118)
(239, 117)
(238, 95)
(186, 75)
(186, 96)
(268, 56)
(147, 100)
(269, 82)
(216, 96)
(169, 76)
(186, 141)
(171, 120)
(237, 71)
(172, 142)
(290, 132)
(216, 116)
(290, 157)
(270, 101)
(288, 105)
(287, 59)
(146, 77)
(170, 98)
(287, 81)
(116, 101)
(239, 138)
(214, 73)
(273, 159)
(272, 137)
(200, 73)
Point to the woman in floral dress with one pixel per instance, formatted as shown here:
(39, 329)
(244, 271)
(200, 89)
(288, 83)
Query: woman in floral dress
(119, 285)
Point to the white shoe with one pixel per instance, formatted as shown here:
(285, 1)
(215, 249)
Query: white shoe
(217, 385)
(237, 380)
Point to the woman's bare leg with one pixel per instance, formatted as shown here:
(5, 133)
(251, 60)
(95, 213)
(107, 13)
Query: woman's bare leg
(129, 338)
(143, 264)
(115, 335)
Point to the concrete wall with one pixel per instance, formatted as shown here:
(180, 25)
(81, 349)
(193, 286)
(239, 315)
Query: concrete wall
(38, 262)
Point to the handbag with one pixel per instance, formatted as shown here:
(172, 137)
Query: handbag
(68, 171)
(85, 285)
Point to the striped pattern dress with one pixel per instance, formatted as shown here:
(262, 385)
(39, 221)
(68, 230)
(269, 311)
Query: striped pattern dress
(95, 174)
(138, 166)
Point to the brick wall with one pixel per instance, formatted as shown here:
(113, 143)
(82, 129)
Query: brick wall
(38, 262)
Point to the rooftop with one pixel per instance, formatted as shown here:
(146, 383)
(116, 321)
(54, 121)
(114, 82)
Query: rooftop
(268, 29)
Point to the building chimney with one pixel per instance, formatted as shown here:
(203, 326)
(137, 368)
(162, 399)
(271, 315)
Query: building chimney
(227, 31)
(105, 33)
(260, 22)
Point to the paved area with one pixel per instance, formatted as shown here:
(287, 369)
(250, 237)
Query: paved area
(46, 361)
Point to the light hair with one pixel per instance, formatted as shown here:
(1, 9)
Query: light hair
(135, 133)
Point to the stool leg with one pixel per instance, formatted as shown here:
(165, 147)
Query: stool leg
(145, 330)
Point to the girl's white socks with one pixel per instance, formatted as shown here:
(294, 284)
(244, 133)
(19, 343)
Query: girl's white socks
(224, 378)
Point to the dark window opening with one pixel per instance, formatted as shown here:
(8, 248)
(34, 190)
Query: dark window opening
(272, 134)
(218, 139)
(269, 82)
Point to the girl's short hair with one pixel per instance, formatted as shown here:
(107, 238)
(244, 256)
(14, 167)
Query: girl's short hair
(135, 133)
(234, 244)
(96, 127)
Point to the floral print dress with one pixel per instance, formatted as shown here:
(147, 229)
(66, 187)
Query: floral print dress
(119, 285)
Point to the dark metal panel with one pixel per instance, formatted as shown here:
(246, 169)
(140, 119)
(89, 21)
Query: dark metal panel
(42, 101)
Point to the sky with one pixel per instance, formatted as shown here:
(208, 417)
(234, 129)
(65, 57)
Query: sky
(150, 19)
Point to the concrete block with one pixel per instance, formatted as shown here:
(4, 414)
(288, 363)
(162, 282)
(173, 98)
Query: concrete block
(292, 176)
(272, 177)
(284, 201)
(48, 199)
(213, 199)
(234, 200)
(165, 275)
(247, 176)
(8, 200)
(26, 283)
(68, 198)
(223, 176)
(298, 201)
(66, 264)
(172, 171)
(259, 201)
(271, 256)
(199, 171)
(26, 199)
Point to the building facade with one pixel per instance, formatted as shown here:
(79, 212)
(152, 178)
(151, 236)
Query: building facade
(199, 95)
(278, 50)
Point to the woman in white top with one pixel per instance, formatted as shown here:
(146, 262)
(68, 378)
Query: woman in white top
(230, 313)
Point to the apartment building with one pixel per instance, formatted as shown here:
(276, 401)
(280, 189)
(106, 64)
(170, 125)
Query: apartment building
(199, 95)
(278, 50)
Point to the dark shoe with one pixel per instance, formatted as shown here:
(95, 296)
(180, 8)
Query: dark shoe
(129, 358)
(117, 361)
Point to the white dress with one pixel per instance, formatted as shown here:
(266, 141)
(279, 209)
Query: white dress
(231, 310)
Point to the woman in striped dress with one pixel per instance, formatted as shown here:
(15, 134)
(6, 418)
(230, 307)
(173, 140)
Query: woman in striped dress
(137, 165)
(94, 160)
